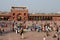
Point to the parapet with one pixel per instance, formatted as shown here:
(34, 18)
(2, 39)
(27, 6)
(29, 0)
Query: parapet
(19, 8)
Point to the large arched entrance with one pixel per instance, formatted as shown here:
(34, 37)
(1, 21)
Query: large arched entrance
(19, 18)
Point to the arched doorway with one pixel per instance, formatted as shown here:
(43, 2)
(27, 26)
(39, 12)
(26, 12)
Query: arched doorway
(18, 17)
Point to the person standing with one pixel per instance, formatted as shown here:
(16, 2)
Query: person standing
(44, 38)
(3, 31)
(16, 30)
(21, 32)
(0, 32)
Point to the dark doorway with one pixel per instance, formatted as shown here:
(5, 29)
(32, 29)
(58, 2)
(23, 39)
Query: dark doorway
(19, 18)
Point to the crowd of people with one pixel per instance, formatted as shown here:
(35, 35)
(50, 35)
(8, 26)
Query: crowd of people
(44, 27)
(18, 27)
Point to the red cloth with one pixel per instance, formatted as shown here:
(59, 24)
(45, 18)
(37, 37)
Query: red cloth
(13, 25)
(6, 25)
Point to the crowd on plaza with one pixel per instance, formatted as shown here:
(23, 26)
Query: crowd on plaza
(18, 27)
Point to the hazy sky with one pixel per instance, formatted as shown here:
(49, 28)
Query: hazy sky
(33, 5)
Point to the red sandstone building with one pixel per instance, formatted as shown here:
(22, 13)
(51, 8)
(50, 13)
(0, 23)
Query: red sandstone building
(22, 14)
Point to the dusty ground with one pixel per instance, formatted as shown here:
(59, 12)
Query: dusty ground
(27, 36)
